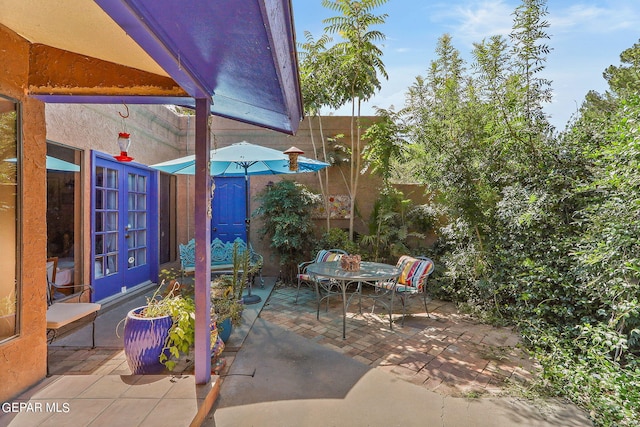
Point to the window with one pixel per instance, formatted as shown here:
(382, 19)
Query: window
(9, 161)
(63, 212)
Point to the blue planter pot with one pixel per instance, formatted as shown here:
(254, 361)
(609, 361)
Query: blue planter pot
(225, 329)
(144, 339)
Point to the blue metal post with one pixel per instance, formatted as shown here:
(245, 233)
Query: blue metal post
(203, 243)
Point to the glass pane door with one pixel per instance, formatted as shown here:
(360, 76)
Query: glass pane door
(106, 217)
(136, 228)
(125, 226)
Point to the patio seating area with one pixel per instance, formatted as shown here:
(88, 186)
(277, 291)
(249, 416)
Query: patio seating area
(221, 256)
(446, 353)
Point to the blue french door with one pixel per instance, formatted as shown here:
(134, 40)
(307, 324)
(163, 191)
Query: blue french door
(228, 209)
(124, 226)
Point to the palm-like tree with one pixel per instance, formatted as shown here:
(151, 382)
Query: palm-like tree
(358, 70)
(317, 75)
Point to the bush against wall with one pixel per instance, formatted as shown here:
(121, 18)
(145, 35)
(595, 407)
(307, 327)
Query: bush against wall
(286, 209)
(336, 238)
(397, 227)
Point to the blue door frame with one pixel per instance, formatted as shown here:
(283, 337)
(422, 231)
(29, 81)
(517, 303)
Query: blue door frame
(124, 225)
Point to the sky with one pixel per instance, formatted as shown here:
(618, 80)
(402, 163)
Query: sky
(587, 36)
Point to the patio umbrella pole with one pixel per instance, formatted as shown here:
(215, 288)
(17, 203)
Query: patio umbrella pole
(248, 299)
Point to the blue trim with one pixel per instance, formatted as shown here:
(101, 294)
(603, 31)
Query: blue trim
(138, 27)
(222, 107)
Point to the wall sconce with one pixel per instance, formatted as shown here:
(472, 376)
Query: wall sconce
(293, 154)
(124, 141)
(270, 185)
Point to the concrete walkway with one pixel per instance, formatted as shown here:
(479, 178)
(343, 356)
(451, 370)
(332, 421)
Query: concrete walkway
(281, 379)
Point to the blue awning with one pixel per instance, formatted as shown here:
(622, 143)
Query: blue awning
(239, 53)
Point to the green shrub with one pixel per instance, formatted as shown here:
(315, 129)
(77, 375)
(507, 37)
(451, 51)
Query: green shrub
(336, 238)
(286, 212)
(577, 364)
(390, 227)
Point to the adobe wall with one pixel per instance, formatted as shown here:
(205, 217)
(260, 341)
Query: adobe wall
(24, 357)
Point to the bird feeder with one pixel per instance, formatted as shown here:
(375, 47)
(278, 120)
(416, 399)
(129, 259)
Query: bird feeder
(124, 141)
(293, 154)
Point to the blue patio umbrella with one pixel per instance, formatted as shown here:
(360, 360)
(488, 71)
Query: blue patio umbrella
(243, 159)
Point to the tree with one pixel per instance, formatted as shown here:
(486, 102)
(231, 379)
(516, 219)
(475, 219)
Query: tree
(317, 80)
(529, 29)
(597, 112)
(448, 132)
(359, 67)
(541, 229)
(625, 79)
(596, 364)
(385, 143)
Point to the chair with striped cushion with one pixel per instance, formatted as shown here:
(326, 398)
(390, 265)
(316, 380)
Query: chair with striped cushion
(325, 255)
(412, 280)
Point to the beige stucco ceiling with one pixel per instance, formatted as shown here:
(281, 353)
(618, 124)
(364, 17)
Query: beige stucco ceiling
(78, 26)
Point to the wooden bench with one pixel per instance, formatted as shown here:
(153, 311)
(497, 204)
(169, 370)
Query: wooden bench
(66, 317)
(221, 257)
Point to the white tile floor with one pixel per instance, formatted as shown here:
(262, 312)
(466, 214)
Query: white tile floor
(113, 400)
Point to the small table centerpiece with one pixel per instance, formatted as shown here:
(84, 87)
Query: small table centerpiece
(350, 262)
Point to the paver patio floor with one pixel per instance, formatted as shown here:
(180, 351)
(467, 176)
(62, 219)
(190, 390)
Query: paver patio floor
(447, 352)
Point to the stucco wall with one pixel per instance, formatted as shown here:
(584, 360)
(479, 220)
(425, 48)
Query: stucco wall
(24, 358)
(157, 133)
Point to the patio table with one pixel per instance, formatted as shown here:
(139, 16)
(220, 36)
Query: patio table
(369, 272)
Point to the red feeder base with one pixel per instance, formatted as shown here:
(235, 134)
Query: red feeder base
(123, 157)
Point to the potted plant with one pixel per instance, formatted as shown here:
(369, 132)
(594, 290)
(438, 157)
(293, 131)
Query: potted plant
(161, 331)
(226, 294)
(226, 305)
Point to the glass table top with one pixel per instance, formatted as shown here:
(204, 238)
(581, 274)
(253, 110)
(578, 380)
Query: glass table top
(368, 271)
